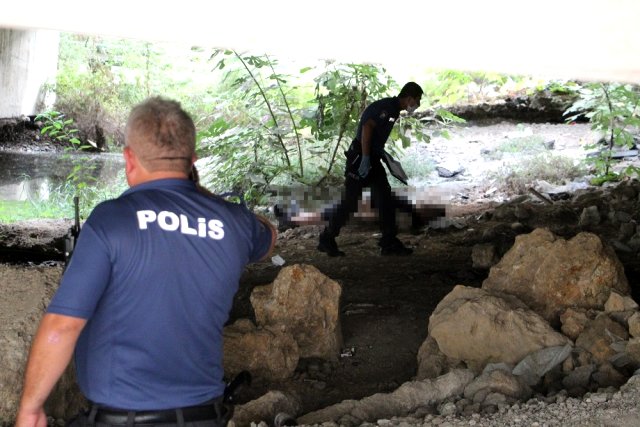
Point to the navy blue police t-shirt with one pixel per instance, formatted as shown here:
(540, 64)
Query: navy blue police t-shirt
(384, 113)
(155, 272)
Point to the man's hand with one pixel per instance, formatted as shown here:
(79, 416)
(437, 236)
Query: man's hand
(365, 165)
(26, 418)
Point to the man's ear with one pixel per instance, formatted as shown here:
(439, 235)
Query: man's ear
(129, 156)
(131, 164)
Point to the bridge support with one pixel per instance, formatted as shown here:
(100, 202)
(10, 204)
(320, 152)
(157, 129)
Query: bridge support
(28, 61)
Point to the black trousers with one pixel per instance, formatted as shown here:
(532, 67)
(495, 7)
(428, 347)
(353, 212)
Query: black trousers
(382, 198)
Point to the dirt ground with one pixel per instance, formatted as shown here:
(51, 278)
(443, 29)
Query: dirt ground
(386, 301)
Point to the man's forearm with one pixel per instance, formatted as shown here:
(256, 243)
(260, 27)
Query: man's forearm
(367, 131)
(274, 234)
(50, 354)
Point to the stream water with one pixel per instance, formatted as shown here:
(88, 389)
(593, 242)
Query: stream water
(33, 175)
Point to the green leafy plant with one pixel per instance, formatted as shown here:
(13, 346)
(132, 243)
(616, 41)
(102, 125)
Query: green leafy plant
(342, 93)
(270, 129)
(57, 127)
(253, 137)
(612, 109)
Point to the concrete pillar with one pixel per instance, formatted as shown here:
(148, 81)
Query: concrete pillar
(28, 60)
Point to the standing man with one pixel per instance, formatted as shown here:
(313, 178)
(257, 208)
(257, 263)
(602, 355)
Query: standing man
(364, 169)
(148, 290)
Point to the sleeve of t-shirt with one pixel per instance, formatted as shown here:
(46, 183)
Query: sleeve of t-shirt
(261, 238)
(374, 112)
(85, 279)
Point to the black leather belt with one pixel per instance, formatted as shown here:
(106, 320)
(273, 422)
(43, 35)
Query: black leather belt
(190, 413)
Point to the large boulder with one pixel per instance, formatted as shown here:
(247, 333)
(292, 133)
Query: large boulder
(305, 303)
(480, 327)
(551, 274)
(268, 353)
(24, 296)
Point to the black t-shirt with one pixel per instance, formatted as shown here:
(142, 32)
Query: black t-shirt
(384, 113)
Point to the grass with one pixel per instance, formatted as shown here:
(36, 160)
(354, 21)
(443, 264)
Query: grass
(21, 210)
(418, 168)
(554, 169)
(530, 144)
(59, 204)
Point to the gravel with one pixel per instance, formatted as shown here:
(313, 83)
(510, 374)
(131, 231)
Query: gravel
(603, 408)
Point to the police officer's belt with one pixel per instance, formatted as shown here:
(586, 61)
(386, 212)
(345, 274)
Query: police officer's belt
(189, 414)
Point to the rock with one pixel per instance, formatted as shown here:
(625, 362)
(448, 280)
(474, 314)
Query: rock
(537, 364)
(504, 213)
(447, 408)
(265, 408)
(589, 217)
(634, 325)
(598, 336)
(620, 217)
(431, 362)
(634, 242)
(622, 317)
(496, 399)
(579, 377)
(608, 376)
(620, 247)
(484, 256)
(404, 401)
(522, 211)
(573, 322)
(552, 274)
(617, 302)
(625, 191)
(495, 366)
(627, 230)
(480, 327)
(497, 381)
(633, 352)
(306, 303)
(449, 170)
(268, 352)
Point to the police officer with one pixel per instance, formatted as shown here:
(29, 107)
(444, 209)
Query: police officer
(364, 169)
(148, 290)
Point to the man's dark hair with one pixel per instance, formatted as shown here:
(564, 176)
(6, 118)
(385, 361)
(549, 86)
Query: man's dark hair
(411, 89)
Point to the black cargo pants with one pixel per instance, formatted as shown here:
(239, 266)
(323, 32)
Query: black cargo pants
(381, 197)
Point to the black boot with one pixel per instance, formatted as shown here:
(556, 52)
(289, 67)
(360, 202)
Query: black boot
(327, 243)
(417, 225)
(393, 246)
